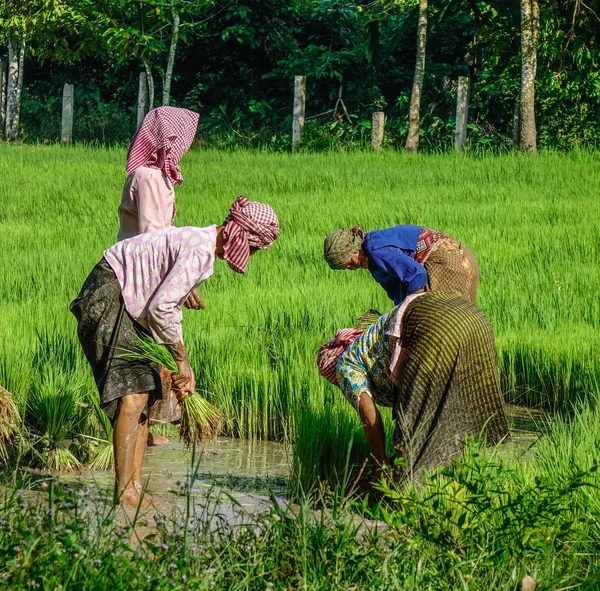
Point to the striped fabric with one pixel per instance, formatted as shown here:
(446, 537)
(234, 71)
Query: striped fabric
(164, 136)
(452, 266)
(450, 385)
(331, 351)
(250, 224)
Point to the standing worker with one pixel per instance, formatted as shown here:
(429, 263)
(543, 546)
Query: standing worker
(148, 200)
(406, 259)
(137, 289)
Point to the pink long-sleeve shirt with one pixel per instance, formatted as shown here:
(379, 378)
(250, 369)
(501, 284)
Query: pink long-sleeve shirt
(147, 203)
(158, 270)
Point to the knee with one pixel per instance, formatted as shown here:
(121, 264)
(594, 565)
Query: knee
(133, 404)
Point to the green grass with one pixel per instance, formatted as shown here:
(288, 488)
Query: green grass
(484, 523)
(532, 223)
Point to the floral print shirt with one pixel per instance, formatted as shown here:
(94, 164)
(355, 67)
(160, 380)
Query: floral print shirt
(365, 365)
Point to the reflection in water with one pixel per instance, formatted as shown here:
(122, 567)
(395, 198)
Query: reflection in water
(234, 465)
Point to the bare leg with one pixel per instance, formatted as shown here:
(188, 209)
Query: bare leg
(138, 457)
(127, 433)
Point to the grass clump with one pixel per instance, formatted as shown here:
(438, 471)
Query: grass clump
(10, 422)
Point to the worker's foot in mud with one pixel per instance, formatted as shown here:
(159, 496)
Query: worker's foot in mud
(155, 440)
(130, 497)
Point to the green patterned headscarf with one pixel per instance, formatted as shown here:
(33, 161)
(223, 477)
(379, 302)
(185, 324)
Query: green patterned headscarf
(341, 245)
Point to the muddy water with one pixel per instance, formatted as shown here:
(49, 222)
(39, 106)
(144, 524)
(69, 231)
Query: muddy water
(235, 476)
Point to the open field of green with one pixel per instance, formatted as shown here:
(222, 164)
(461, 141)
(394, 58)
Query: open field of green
(483, 523)
(532, 223)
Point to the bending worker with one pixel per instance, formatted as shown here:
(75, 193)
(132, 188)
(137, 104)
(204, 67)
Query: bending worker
(137, 289)
(405, 259)
(431, 359)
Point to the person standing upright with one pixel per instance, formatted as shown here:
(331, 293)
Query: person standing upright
(148, 199)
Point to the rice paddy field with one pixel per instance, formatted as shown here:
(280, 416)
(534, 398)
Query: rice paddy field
(532, 223)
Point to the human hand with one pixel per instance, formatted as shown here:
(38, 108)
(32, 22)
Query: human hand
(194, 301)
(184, 381)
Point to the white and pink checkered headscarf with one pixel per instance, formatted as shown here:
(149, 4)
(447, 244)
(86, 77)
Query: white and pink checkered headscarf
(249, 224)
(331, 351)
(164, 136)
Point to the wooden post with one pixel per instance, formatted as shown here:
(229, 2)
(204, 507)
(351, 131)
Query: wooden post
(462, 113)
(142, 99)
(299, 109)
(377, 128)
(2, 93)
(66, 136)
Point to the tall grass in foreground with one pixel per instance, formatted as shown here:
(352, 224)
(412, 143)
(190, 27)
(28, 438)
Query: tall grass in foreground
(530, 222)
(483, 523)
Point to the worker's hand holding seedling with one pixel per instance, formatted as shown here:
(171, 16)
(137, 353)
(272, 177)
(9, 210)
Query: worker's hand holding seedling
(183, 382)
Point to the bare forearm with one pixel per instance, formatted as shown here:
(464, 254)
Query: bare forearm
(373, 428)
(179, 353)
(184, 380)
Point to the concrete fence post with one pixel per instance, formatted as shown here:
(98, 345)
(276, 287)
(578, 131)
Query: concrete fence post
(66, 136)
(299, 110)
(142, 103)
(377, 129)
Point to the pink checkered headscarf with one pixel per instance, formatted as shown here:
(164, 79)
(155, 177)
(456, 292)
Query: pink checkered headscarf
(164, 136)
(332, 350)
(249, 224)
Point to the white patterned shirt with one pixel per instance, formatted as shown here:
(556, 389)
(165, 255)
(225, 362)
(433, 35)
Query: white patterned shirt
(158, 270)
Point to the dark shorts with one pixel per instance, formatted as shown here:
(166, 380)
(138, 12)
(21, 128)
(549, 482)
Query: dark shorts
(107, 333)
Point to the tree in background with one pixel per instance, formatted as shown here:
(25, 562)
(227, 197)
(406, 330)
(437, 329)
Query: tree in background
(414, 115)
(41, 27)
(525, 122)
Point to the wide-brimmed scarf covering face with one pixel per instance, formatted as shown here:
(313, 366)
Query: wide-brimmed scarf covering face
(341, 245)
(250, 224)
(332, 350)
(164, 136)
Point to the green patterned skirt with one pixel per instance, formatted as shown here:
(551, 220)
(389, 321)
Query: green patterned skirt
(106, 332)
(450, 387)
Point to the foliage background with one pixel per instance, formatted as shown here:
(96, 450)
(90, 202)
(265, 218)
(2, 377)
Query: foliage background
(236, 60)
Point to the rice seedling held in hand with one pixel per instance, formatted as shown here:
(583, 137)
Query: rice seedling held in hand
(200, 420)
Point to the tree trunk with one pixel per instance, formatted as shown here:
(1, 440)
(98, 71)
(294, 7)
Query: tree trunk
(414, 116)
(529, 36)
(142, 99)
(150, 80)
(2, 94)
(11, 91)
(171, 60)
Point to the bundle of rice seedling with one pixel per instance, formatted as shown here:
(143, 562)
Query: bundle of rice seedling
(367, 319)
(61, 459)
(200, 420)
(10, 421)
(104, 458)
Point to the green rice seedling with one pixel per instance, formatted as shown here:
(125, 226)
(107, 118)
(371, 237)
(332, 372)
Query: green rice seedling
(527, 220)
(54, 418)
(200, 420)
(367, 319)
(10, 422)
(102, 456)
